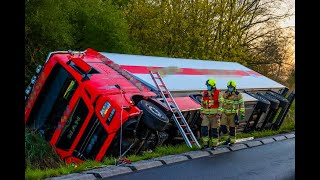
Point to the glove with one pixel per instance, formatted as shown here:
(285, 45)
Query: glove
(241, 116)
(236, 119)
(201, 116)
(218, 116)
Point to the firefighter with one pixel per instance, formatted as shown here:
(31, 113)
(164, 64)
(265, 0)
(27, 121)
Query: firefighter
(232, 105)
(210, 113)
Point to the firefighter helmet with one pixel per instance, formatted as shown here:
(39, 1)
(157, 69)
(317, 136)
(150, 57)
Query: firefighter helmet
(211, 82)
(232, 83)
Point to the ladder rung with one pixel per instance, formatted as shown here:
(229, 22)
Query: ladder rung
(176, 113)
(184, 129)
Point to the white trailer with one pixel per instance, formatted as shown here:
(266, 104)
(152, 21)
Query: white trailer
(185, 79)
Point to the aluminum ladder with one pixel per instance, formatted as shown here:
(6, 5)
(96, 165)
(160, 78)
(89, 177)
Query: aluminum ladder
(178, 117)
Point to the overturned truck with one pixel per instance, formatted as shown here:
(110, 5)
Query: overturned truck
(90, 104)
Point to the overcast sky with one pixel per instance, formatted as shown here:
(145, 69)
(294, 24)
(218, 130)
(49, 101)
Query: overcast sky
(290, 21)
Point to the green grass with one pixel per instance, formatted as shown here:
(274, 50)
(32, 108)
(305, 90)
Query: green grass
(38, 153)
(35, 172)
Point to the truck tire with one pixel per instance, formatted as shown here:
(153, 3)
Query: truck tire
(153, 117)
(274, 102)
(283, 101)
(199, 98)
(263, 103)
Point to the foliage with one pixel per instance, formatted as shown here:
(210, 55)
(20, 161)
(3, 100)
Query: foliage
(221, 30)
(217, 30)
(54, 25)
(39, 153)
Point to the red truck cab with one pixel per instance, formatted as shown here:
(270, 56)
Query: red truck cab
(75, 101)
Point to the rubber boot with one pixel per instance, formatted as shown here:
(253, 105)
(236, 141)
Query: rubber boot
(227, 142)
(205, 137)
(214, 138)
(232, 136)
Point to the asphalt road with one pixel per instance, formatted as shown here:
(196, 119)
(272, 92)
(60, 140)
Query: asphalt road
(270, 161)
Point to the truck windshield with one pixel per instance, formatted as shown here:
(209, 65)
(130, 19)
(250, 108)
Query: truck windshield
(52, 101)
(73, 125)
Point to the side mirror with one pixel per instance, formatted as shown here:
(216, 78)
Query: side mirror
(33, 80)
(83, 66)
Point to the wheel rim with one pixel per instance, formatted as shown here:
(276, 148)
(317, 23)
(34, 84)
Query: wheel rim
(155, 111)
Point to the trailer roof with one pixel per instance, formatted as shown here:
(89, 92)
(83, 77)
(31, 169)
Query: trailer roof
(191, 74)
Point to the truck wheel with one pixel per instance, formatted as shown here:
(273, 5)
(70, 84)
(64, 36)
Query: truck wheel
(153, 117)
(283, 100)
(263, 103)
(274, 102)
(199, 98)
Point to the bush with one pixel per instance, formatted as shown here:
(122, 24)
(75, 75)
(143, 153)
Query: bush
(38, 153)
(55, 25)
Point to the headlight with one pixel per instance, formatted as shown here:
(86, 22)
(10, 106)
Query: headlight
(33, 80)
(38, 69)
(27, 91)
(105, 109)
(111, 116)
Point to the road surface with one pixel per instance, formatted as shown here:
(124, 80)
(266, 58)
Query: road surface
(270, 161)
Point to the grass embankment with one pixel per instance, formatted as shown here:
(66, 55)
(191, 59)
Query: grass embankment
(42, 162)
(37, 173)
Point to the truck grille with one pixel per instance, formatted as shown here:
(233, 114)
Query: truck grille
(92, 140)
(73, 125)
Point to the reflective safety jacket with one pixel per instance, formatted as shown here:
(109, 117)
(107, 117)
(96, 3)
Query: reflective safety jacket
(210, 102)
(232, 103)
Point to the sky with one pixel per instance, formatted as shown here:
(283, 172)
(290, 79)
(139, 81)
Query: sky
(289, 21)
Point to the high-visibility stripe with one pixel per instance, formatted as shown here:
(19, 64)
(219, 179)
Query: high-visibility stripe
(210, 111)
(233, 101)
(229, 101)
(230, 111)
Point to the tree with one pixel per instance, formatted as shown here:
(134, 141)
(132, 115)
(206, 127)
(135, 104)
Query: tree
(46, 28)
(274, 55)
(53, 25)
(201, 29)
